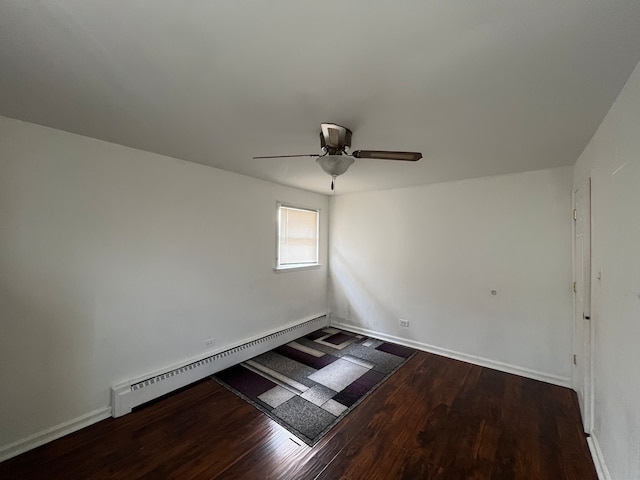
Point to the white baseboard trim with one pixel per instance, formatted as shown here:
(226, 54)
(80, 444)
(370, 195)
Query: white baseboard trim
(598, 458)
(476, 360)
(137, 391)
(16, 448)
(50, 434)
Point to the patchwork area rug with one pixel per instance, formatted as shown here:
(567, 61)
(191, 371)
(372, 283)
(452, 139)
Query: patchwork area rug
(310, 384)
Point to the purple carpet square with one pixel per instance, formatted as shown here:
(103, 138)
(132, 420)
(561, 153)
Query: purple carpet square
(305, 358)
(351, 394)
(245, 381)
(338, 338)
(398, 350)
(315, 335)
(370, 379)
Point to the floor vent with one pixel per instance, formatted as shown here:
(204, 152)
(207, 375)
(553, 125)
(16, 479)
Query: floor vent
(128, 395)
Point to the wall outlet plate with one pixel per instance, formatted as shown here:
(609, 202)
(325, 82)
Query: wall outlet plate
(209, 343)
(404, 323)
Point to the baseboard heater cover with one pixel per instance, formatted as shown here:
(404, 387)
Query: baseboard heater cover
(128, 395)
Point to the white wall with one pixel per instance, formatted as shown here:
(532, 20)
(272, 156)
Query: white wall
(612, 160)
(116, 262)
(433, 254)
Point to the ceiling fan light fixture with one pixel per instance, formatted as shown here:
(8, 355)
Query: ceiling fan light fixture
(335, 165)
(335, 142)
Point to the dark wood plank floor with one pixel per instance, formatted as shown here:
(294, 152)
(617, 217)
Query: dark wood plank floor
(436, 418)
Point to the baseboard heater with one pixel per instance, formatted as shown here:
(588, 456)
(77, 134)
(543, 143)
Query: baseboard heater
(128, 395)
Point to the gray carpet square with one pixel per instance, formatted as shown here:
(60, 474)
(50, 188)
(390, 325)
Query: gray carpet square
(331, 330)
(318, 394)
(372, 342)
(384, 362)
(334, 407)
(339, 374)
(287, 367)
(358, 361)
(276, 396)
(307, 418)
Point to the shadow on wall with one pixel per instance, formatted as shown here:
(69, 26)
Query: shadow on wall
(355, 300)
(49, 340)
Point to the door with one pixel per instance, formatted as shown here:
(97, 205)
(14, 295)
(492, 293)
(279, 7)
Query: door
(582, 381)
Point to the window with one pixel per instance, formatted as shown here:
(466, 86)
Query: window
(298, 233)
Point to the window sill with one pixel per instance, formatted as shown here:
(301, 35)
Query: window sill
(297, 268)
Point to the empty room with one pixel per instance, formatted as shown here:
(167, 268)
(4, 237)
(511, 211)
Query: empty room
(285, 240)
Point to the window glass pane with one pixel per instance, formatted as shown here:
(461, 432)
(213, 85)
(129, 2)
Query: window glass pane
(298, 236)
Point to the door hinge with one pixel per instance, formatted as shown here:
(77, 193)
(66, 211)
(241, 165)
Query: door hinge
(575, 214)
(574, 288)
(574, 360)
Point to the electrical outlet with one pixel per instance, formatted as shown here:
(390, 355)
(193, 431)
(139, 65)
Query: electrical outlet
(404, 323)
(209, 343)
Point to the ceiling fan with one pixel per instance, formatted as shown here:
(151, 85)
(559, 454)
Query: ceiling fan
(335, 141)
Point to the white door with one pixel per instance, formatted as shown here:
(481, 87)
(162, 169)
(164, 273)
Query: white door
(582, 315)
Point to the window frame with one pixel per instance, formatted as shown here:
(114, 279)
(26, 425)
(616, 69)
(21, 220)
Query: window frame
(301, 266)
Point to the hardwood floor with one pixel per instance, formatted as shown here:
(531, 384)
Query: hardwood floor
(436, 418)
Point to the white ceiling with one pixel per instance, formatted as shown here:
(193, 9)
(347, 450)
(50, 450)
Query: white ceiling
(480, 87)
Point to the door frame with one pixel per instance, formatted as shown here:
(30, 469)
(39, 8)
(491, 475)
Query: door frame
(587, 325)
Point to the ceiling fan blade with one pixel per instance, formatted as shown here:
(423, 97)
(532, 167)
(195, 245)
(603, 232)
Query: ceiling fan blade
(291, 156)
(384, 155)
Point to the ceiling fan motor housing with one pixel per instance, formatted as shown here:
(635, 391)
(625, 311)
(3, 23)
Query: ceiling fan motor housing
(334, 139)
